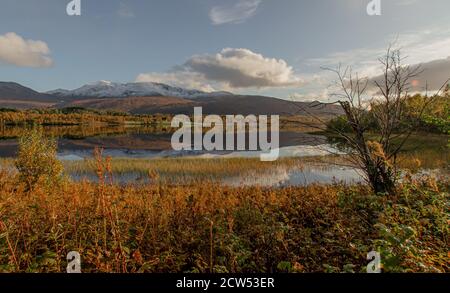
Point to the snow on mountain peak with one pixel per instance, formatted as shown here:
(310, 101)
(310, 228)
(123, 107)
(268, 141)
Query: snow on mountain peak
(106, 82)
(108, 89)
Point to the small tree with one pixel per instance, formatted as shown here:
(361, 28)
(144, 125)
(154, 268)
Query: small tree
(377, 157)
(37, 159)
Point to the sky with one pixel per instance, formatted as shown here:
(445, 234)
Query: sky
(266, 47)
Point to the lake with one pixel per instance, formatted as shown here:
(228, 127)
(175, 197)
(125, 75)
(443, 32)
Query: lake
(149, 146)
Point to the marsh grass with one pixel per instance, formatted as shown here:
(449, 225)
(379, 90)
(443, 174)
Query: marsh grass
(182, 171)
(211, 228)
(207, 227)
(191, 170)
(183, 167)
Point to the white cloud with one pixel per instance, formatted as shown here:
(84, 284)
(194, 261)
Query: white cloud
(238, 12)
(418, 46)
(17, 51)
(428, 47)
(242, 68)
(184, 79)
(230, 69)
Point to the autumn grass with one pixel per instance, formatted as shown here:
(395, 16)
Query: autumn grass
(157, 228)
(186, 171)
(191, 170)
(182, 170)
(208, 227)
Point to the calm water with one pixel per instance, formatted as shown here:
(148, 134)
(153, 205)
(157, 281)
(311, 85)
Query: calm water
(137, 142)
(77, 144)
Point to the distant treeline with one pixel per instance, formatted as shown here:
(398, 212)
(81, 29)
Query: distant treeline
(435, 118)
(75, 116)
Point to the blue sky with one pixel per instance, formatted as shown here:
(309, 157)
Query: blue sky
(271, 47)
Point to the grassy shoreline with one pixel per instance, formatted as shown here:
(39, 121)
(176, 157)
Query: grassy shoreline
(193, 169)
(211, 228)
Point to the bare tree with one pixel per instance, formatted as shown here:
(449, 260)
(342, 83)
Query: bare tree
(386, 108)
(377, 158)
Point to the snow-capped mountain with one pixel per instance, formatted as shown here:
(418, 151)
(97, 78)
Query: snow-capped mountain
(108, 89)
(152, 98)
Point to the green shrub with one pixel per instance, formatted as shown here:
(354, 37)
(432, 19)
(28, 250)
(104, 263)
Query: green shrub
(413, 231)
(339, 124)
(37, 159)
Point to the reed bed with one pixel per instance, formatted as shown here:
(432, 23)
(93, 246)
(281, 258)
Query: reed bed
(211, 228)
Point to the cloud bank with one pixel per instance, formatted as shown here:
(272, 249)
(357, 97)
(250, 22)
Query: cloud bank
(15, 50)
(432, 76)
(427, 48)
(229, 69)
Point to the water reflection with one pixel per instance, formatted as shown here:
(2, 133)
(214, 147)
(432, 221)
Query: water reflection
(125, 141)
(276, 176)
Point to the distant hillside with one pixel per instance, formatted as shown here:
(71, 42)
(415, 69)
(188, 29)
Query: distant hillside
(260, 105)
(141, 105)
(244, 105)
(97, 97)
(14, 95)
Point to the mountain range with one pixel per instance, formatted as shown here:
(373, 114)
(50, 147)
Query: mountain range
(152, 98)
(108, 89)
